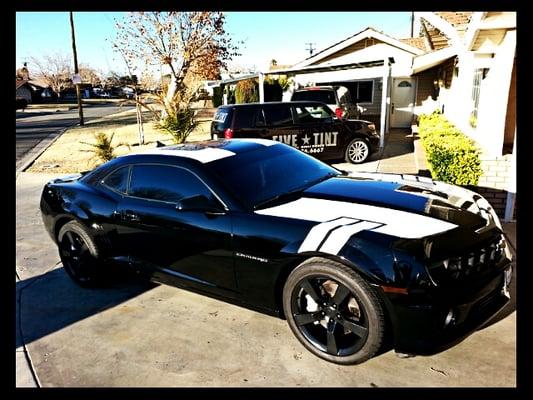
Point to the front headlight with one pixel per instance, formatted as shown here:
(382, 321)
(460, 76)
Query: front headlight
(372, 127)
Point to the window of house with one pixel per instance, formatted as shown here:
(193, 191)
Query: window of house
(364, 91)
(165, 183)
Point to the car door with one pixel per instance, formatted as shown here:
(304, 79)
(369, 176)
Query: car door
(190, 247)
(319, 131)
(278, 124)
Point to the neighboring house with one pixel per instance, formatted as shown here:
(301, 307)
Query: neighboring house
(471, 72)
(366, 84)
(23, 90)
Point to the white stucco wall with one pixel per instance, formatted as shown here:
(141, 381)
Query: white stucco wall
(492, 107)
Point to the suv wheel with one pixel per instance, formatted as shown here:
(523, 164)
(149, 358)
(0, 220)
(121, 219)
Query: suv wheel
(357, 151)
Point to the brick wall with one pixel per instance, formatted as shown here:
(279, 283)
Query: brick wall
(495, 180)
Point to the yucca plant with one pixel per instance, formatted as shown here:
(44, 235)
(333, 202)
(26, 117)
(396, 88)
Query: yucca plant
(103, 149)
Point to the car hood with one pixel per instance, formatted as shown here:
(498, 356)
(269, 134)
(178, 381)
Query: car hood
(405, 206)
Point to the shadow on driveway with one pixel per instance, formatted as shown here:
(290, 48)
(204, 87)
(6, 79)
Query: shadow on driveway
(50, 302)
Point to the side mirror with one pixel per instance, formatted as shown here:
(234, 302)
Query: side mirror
(199, 203)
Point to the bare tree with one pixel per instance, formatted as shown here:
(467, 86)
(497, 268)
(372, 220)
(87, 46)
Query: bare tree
(191, 44)
(54, 70)
(90, 75)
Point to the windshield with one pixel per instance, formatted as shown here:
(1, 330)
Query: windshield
(256, 177)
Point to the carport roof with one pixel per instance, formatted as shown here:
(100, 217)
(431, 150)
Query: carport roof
(305, 70)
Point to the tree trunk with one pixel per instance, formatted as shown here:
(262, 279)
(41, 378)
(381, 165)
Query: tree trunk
(171, 92)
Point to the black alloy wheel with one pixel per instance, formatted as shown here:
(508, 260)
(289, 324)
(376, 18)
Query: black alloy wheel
(79, 254)
(333, 312)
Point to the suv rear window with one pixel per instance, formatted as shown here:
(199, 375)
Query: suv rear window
(324, 96)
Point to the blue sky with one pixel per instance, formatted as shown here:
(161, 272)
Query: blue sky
(266, 35)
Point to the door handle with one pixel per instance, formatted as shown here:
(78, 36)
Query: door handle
(130, 216)
(392, 108)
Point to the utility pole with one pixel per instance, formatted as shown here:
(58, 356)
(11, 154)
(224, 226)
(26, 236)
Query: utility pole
(76, 71)
(311, 48)
(412, 23)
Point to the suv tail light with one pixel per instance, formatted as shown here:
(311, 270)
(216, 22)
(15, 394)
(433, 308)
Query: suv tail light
(228, 133)
(339, 112)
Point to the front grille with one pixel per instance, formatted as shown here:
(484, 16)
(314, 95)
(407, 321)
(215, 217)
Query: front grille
(472, 263)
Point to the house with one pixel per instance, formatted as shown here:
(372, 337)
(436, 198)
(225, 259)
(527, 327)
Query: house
(375, 67)
(366, 84)
(23, 90)
(471, 72)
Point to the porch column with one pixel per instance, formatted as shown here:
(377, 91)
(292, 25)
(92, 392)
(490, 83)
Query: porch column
(261, 87)
(384, 97)
(224, 95)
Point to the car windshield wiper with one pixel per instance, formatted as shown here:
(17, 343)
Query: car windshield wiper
(294, 191)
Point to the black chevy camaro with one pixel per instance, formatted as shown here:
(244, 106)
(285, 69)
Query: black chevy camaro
(347, 259)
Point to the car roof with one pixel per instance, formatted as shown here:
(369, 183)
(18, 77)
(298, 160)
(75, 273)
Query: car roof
(318, 88)
(207, 151)
(267, 103)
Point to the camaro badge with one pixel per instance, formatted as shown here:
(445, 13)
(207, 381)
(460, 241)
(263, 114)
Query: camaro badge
(251, 257)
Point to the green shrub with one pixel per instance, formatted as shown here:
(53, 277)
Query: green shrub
(217, 96)
(179, 124)
(247, 91)
(452, 156)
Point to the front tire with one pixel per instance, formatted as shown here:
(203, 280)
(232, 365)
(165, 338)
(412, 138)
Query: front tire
(333, 312)
(79, 254)
(357, 151)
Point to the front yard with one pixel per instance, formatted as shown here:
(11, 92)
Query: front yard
(70, 154)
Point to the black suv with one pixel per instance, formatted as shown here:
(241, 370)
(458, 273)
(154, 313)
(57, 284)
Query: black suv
(309, 126)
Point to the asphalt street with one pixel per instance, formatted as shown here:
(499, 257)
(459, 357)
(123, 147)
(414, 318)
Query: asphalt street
(32, 127)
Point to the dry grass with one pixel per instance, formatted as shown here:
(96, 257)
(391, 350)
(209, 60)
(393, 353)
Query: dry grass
(69, 155)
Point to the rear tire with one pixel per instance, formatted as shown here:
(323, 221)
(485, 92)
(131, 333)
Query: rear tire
(79, 255)
(357, 151)
(333, 312)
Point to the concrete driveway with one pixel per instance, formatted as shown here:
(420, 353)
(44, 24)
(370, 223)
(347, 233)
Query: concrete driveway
(142, 334)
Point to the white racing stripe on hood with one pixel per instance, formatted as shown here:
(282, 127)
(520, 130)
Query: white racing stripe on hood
(396, 223)
(338, 238)
(318, 232)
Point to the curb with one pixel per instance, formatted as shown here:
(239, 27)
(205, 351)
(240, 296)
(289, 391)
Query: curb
(34, 153)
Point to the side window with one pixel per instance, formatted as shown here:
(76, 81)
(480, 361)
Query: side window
(278, 115)
(165, 183)
(118, 179)
(312, 114)
(244, 117)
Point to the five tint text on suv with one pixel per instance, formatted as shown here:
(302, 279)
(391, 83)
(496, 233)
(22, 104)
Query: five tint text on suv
(307, 125)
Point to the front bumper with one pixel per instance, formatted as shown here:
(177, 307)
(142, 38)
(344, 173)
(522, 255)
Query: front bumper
(427, 325)
(374, 144)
